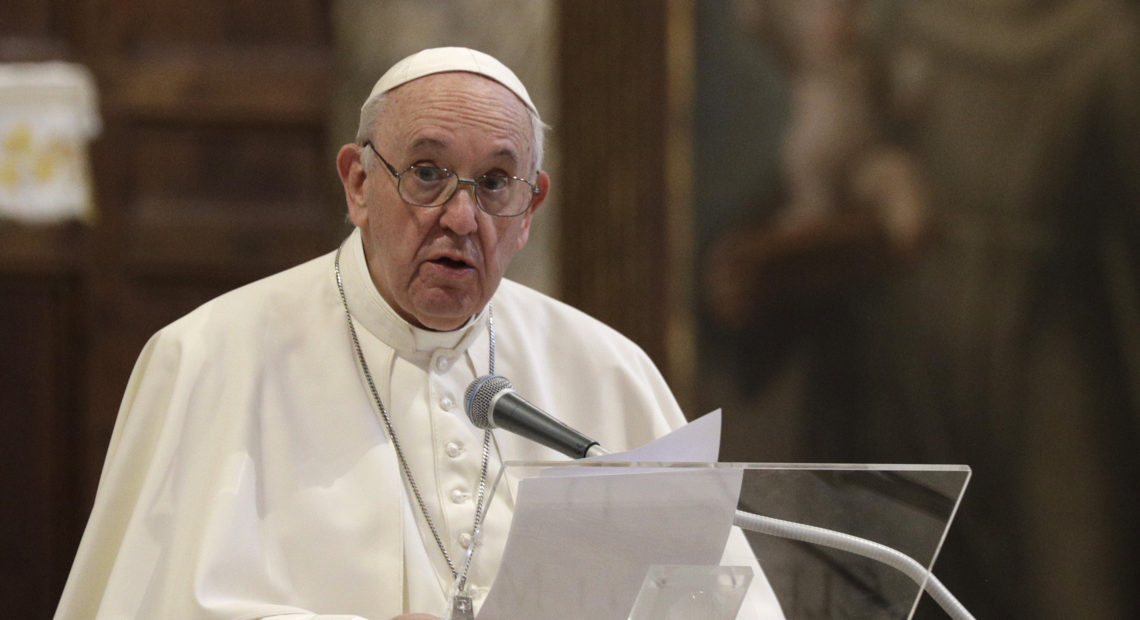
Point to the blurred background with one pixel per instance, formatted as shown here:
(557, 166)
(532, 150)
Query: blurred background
(895, 231)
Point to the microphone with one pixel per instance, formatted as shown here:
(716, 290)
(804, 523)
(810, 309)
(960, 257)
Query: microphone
(491, 402)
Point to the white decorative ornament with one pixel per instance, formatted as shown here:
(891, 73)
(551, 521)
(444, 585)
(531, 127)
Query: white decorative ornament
(48, 114)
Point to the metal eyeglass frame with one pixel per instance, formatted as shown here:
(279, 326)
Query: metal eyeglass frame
(474, 183)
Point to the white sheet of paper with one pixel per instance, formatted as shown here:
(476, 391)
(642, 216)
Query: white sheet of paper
(580, 545)
(696, 442)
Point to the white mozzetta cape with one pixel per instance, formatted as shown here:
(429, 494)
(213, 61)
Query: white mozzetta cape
(249, 474)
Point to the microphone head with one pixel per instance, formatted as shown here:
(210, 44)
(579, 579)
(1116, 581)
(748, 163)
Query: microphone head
(480, 394)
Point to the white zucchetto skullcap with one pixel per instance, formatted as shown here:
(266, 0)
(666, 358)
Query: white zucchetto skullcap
(445, 59)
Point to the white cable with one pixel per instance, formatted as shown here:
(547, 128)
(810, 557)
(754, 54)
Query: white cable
(861, 546)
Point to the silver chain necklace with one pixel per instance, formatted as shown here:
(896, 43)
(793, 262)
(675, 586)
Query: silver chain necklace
(479, 507)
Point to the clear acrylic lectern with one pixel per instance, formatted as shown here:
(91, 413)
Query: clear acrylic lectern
(640, 540)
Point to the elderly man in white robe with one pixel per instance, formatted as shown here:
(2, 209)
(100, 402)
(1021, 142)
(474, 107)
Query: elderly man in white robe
(297, 448)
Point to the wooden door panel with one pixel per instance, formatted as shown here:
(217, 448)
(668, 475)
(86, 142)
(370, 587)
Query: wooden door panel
(38, 439)
(224, 23)
(226, 200)
(188, 84)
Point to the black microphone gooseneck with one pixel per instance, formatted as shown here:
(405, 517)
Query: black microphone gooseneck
(491, 402)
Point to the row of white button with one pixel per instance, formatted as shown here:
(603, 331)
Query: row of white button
(454, 450)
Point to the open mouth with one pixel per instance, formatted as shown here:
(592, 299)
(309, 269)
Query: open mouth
(451, 263)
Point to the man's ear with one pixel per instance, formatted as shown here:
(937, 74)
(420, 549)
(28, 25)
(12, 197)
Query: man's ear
(543, 190)
(350, 166)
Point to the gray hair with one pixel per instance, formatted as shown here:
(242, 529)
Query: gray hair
(370, 117)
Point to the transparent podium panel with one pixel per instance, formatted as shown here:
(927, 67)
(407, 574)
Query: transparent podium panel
(615, 540)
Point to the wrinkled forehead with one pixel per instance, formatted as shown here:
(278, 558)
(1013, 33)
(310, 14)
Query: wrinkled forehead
(450, 105)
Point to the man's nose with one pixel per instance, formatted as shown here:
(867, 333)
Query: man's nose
(460, 210)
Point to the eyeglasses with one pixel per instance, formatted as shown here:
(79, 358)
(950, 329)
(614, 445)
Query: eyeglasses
(501, 195)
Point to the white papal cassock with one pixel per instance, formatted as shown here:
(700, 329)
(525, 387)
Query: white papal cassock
(249, 474)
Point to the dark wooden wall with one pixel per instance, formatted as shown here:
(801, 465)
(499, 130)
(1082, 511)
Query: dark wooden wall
(213, 169)
(615, 236)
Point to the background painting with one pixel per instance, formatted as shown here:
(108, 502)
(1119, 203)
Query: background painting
(917, 243)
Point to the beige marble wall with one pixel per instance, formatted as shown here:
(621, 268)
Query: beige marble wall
(369, 36)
